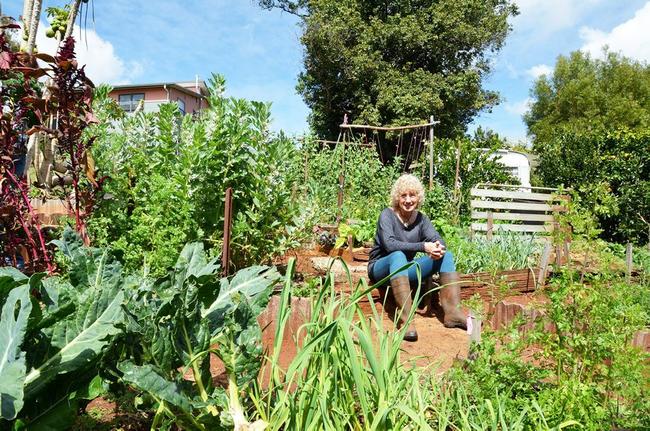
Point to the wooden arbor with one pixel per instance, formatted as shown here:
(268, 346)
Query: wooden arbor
(409, 143)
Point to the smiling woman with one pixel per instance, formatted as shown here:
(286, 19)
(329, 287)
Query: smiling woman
(403, 231)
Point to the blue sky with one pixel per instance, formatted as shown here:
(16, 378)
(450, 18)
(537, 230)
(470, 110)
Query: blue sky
(260, 55)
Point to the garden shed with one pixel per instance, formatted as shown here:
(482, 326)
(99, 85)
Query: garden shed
(516, 162)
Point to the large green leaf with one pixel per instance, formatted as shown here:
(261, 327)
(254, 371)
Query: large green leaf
(147, 379)
(253, 283)
(193, 262)
(59, 300)
(70, 243)
(12, 359)
(59, 416)
(10, 277)
(80, 339)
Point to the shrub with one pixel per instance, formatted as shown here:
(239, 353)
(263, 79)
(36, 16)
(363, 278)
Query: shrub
(169, 176)
(366, 186)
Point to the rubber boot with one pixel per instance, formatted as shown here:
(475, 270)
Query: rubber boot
(450, 301)
(402, 293)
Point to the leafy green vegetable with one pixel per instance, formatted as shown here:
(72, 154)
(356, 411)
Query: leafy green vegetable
(176, 322)
(62, 336)
(9, 278)
(164, 159)
(12, 360)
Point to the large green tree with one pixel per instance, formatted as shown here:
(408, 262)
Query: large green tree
(397, 62)
(590, 127)
(585, 94)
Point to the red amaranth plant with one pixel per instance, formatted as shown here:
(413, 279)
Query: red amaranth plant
(71, 94)
(20, 231)
(27, 110)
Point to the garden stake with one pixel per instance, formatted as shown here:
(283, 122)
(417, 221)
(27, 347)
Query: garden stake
(227, 226)
(457, 196)
(490, 225)
(567, 256)
(543, 266)
(431, 154)
(474, 324)
(628, 262)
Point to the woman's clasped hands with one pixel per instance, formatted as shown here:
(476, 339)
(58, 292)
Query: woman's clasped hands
(434, 249)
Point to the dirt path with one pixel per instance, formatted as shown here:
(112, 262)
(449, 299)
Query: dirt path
(437, 346)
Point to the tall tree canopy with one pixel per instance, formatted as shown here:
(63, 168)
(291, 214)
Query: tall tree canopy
(397, 62)
(590, 128)
(586, 94)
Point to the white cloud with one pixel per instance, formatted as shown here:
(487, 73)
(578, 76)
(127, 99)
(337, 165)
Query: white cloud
(539, 70)
(544, 17)
(518, 108)
(103, 65)
(513, 73)
(631, 38)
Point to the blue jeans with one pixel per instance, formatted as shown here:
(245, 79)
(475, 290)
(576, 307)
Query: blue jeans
(397, 259)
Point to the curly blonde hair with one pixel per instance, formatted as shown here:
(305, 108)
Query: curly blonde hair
(404, 183)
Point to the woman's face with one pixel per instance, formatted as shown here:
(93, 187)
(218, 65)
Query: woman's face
(408, 201)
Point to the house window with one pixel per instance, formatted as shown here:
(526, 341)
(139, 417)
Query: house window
(181, 105)
(129, 102)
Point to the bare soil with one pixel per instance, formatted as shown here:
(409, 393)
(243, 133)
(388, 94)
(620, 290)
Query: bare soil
(436, 346)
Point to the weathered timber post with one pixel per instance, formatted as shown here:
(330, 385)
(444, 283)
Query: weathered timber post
(490, 226)
(543, 266)
(431, 153)
(558, 247)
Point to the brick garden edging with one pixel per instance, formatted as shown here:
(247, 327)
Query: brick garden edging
(506, 311)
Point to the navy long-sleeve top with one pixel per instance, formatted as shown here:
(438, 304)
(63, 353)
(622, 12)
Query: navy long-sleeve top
(392, 235)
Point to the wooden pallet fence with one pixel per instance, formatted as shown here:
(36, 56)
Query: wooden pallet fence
(642, 340)
(506, 311)
(507, 208)
(49, 211)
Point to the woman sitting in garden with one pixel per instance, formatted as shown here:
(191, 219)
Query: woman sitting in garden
(402, 231)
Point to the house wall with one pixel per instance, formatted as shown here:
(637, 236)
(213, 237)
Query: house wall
(192, 104)
(154, 96)
(158, 94)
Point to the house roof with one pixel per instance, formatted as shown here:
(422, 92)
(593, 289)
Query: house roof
(178, 86)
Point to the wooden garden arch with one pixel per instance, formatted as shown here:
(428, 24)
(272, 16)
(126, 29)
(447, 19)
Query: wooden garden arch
(371, 136)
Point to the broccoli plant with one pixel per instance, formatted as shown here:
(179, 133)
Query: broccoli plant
(174, 325)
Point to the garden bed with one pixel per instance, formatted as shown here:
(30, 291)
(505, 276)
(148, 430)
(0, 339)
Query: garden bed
(485, 283)
(507, 310)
